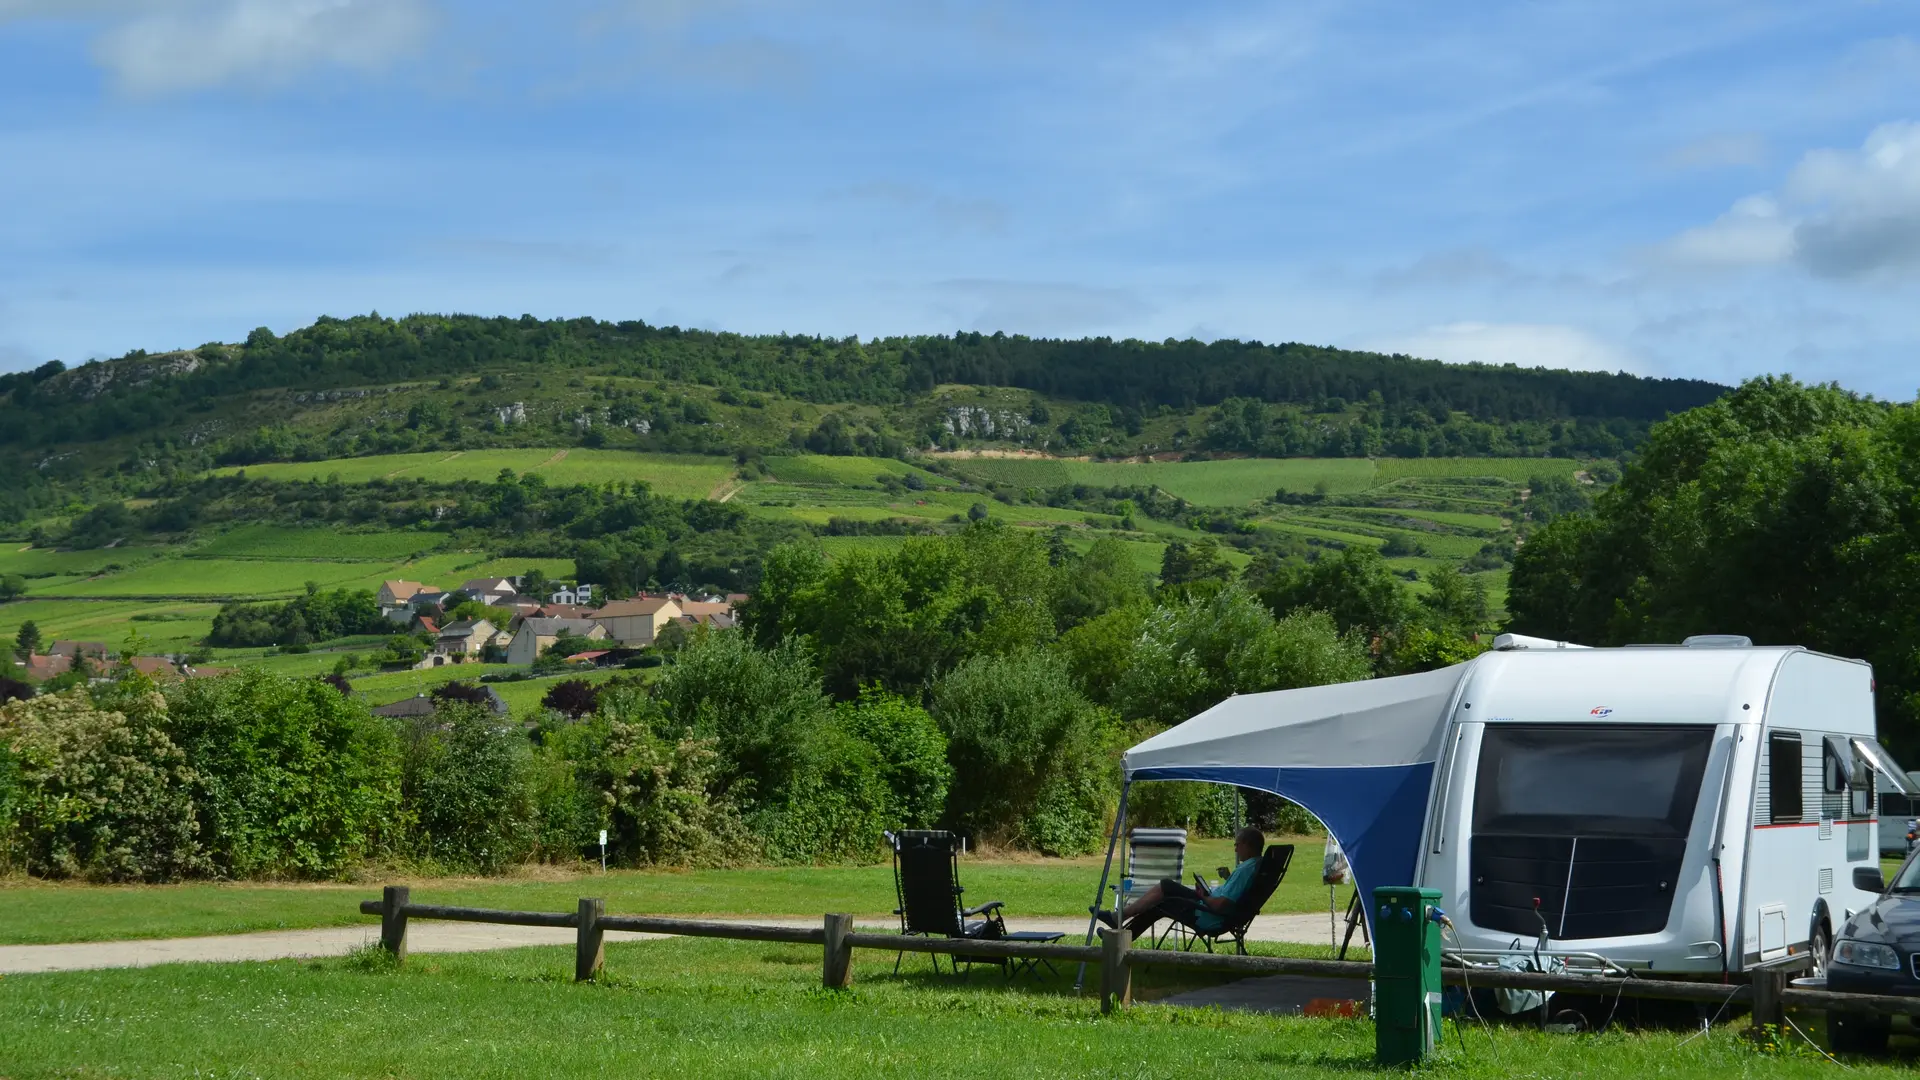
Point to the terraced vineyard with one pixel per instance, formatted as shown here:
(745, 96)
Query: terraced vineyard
(1426, 515)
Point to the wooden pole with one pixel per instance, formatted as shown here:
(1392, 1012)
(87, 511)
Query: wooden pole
(837, 965)
(1116, 978)
(393, 921)
(1769, 1010)
(590, 940)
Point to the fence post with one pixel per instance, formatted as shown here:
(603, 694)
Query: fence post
(1768, 1009)
(590, 942)
(1116, 978)
(837, 963)
(393, 921)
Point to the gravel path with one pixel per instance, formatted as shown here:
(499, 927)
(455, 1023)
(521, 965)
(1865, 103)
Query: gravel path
(426, 936)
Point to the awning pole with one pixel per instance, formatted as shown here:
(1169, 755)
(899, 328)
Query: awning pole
(1119, 819)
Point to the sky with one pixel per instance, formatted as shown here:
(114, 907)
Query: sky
(1704, 188)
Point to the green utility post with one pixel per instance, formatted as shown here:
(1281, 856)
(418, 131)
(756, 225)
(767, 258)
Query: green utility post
(1406, 974)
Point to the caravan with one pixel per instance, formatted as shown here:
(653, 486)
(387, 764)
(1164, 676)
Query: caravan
(1684, 809)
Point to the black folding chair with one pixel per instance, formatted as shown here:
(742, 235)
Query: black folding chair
(926, 882)
(1239, 916)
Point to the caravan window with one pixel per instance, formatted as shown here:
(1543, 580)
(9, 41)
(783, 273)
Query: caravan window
(1784, 793)
(1568, 780)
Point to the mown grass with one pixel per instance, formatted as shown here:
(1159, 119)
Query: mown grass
(685, 476)
(695, 1008)
(41, 912)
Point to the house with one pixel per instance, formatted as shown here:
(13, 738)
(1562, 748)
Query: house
(41, 668)
(157, 668)
(465, 638)
(637, 621)
(572, 594)
(401, 600)
(426, 624)
(712, 620)
(537, 634)
(488, 590)
(417, 705)
(71, 649)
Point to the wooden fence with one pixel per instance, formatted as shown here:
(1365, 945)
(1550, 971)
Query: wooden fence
(1767, 993)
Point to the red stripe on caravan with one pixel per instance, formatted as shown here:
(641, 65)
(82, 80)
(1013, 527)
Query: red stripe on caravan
(1816, 824)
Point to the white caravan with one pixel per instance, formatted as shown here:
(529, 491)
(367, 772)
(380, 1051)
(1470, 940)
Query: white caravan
(1684, 809)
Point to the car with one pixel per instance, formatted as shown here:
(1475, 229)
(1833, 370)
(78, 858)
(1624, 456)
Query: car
(1877, 952)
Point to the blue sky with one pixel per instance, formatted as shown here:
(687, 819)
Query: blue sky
(1715, 188)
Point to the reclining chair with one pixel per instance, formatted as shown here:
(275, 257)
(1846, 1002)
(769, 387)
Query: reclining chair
(926, 882)
(1266, 878)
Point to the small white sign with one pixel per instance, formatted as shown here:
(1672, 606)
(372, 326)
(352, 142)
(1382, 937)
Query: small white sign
(603, 838)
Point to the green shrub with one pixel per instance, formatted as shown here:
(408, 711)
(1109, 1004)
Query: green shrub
(1033, 759)
(98, 793)
(292, 778)
(466, 787)
(655, 794)
(912, 755)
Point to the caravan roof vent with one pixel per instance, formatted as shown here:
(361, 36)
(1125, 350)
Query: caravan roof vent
(1719, 641)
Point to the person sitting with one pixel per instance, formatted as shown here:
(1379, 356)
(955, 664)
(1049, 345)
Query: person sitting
(1207, 908)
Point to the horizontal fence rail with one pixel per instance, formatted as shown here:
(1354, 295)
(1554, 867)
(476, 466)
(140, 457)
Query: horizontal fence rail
(1767, 994)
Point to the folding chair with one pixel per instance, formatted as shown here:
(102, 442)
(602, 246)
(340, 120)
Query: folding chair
(1152, 854)
(1266, 878)
(926, 881)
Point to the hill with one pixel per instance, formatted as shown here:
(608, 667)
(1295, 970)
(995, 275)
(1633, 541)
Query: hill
(346, 388)
(143, 493)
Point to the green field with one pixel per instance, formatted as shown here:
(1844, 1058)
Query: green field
(1234, 482)
(1514, 470)
(712, 1009)
(839, 471)
(242, 578)
(19, 559)
(107, 621)
(281, 542)
(686, 476)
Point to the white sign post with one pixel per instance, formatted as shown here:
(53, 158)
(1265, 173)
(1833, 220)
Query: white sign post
(603, 851)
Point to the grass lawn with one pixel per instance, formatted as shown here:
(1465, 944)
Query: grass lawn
(1516, 470)
(39, 913)
(695, 1008)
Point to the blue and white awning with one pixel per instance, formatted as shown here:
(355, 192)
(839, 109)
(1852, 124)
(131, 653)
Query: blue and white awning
(1359, 756)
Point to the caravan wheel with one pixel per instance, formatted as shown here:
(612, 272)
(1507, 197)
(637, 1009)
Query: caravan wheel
(1820, 944)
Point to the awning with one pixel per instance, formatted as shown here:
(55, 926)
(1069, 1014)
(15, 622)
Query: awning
(1359, 756)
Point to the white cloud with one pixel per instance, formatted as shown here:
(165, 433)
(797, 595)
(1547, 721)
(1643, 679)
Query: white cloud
(165, 46)
(1840, 214)
(1525, 344)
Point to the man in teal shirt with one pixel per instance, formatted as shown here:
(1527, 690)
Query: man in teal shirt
(1206, 911)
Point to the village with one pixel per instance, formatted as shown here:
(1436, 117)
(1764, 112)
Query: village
(529, 622)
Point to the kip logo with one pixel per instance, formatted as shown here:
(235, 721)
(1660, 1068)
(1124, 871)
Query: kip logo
(1599, 711)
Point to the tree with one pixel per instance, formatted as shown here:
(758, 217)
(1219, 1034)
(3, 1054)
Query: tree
(1455, 603)
(1087, 586)
(1198, 566)
(901, 618)
(465, 693)
(1031, 756)
(572, 697)
(1785, 512)
(12, 689)
(536, 583)
(1356, 587)
(12, 587)
(27, 642)
(1192, 654)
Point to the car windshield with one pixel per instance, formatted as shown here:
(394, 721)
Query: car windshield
(1908, 877)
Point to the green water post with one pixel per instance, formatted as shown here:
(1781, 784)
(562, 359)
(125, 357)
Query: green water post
(1406, 974)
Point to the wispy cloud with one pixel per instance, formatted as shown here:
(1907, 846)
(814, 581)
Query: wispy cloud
(1840, 214)
(1526, 345)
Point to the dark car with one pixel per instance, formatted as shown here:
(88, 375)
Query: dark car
(1877, 952)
